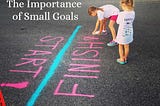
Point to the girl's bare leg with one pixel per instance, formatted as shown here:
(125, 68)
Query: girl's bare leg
(104, 23)
(126, 51)
(121, 52)
(112, 29)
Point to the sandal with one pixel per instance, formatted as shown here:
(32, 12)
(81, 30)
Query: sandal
(126, 61)
(121, 62)
(112, 43)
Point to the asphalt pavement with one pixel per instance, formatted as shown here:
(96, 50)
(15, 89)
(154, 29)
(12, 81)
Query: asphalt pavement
(59, 63)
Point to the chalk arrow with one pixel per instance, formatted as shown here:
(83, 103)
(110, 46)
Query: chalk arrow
(20, 85)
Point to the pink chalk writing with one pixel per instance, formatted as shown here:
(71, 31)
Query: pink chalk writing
(79, 76)
(58, 40)
(74, 90)
(85, 59)
(19, 85)
(38, 52)
(86, 38)
(34, 61)
(51, 38)
(27, 71)
(82, 67)
(52, 42)
(76, 53)
(91, 45)
(86, 51)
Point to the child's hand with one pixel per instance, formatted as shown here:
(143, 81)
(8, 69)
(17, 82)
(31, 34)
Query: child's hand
(99, 33)
(95, 32)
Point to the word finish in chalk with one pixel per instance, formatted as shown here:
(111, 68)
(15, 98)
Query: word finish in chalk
(85, 64)
(42, 5)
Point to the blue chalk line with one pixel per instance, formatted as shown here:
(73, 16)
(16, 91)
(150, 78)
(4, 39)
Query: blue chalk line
(52, 68)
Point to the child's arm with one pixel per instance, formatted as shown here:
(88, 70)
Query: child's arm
(101, 26)
(99, 22)
(96, 27)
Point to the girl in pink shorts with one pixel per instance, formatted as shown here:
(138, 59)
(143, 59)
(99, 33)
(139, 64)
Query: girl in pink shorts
(104, 13)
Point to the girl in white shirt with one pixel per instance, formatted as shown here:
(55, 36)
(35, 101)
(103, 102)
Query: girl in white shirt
(125, 31)
(104, 13)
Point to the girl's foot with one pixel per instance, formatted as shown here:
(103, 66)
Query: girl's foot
(121, 62)
(125, 60)
(104, 32)
(112, 43)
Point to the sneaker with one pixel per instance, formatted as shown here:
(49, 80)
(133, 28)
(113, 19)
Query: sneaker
(104, 32)
(112, 43)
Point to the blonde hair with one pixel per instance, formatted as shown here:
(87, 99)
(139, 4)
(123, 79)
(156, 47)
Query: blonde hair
(128, 3)
(92, 9)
